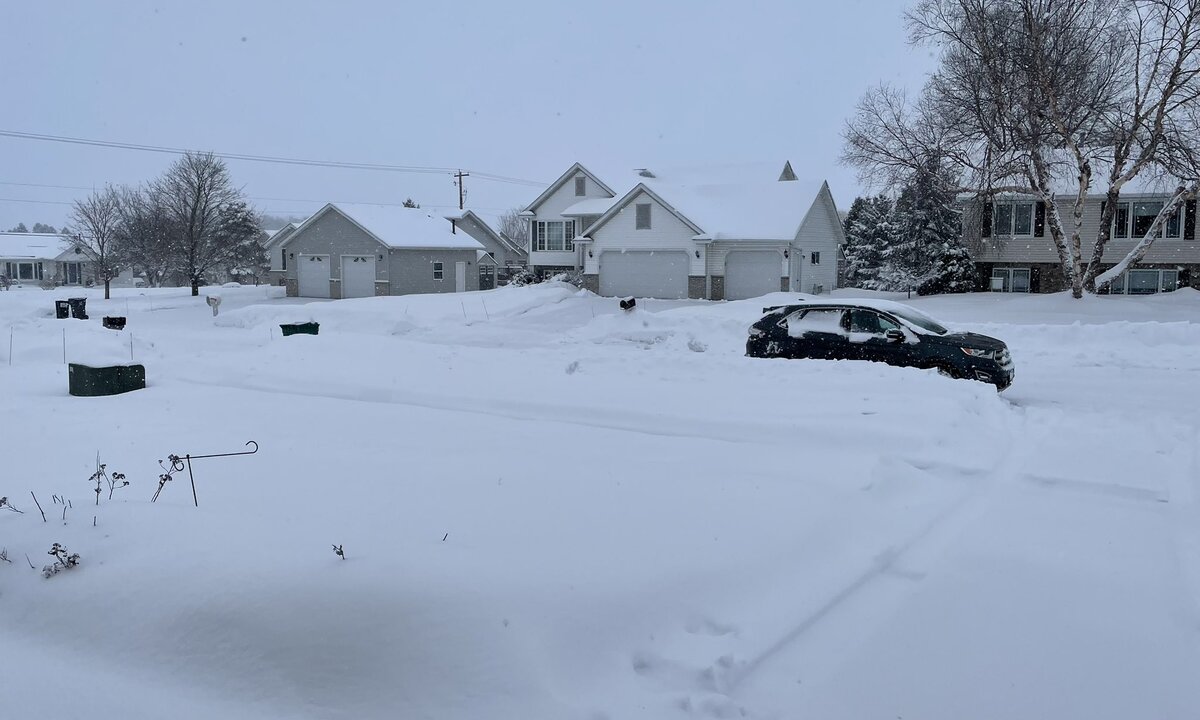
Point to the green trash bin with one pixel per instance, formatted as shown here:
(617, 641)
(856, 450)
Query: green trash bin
(88, 381)
(308, 328)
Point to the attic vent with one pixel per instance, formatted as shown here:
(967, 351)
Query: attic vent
(643, 172)
(788, 173)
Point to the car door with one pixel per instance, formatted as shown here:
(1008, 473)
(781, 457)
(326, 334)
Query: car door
(818, 333)
(868, 339)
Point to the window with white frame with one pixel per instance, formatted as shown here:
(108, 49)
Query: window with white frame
(1133, 218)
(642, 218)
(24, 270)
(1013, 219)
(438, 271)
(1006, 279)
(1144, 282)
(580, 186)
(554, 236)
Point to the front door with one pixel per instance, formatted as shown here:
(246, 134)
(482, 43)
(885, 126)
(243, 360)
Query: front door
(460, 277)
(487, 276)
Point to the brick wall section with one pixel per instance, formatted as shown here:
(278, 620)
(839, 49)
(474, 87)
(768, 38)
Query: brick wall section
(785, 284)
(382, 288)
(696, 287)
(591, 283)
(718, 288)
(293, 287)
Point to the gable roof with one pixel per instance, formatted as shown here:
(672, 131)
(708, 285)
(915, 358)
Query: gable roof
(628, 198)
(277, 237)
(562, 180)
(499, 238)
(396, 227)
(32, 246)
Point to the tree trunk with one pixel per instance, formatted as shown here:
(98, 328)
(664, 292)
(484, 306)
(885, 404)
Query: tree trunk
(195, 286)
(107, 294)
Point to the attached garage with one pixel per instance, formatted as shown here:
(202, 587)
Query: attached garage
(312, 273)
(644, 273)
(751, 273)
(358, 276)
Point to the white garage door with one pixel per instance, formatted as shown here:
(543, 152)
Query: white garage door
(313, 275)
(358, 276)
(750, 273)
(644, 274)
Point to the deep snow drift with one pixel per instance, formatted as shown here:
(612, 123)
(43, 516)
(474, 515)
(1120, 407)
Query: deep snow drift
(552, 509)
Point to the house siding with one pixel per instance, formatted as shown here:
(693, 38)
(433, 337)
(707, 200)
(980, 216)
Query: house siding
(666, 232)
(820, 232)
(503, 255)
(412, 271)
(334, 235)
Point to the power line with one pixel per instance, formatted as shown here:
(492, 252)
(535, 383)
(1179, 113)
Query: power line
(419, 169)
(39, 202)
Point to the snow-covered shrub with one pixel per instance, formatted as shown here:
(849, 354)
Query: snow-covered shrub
(575, 277)
(523, 277)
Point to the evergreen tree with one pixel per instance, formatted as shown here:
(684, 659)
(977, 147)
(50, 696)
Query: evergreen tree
(868, 233)
(953, 271)
(20, 228)
(927, 229)
(410, 203)
(43, 228)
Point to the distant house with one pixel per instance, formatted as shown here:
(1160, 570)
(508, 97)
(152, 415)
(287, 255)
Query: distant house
(507, 254)
(50, 259)
(348, 250)
(1013, 250)
(719, 233)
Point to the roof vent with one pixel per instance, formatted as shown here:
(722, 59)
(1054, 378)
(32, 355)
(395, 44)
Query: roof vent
(643, 172)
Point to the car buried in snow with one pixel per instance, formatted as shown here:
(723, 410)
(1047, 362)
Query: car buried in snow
(878, 331)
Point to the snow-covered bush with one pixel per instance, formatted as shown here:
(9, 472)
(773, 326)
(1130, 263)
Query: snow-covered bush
(575, 277)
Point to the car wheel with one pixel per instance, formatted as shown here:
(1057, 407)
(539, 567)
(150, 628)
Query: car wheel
(949, 372)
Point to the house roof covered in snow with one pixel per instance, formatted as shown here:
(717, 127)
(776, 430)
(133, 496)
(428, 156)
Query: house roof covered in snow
(397, 227)
(499, 238)
(35, 246)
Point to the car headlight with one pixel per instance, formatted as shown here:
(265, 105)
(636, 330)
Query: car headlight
(976, 352)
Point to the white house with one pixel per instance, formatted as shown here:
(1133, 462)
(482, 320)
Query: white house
(728, 232)
(50, 259)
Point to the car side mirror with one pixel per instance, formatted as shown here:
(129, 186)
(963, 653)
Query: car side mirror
(895, 336)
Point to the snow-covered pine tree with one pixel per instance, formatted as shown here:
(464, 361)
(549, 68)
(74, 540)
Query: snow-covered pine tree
(868, 232)
(953, 271)
(925, 225)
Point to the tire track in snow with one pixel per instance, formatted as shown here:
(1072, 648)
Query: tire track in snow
(929, 542)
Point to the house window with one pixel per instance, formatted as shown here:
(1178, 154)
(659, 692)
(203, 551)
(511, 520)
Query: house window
(1010, 280)
(580, 186)
(26, 271)
(554, 236)
(1144, 282)
(815, 259)
(642, 221)
(437, 271)
(1133, 219)
(1013, 218)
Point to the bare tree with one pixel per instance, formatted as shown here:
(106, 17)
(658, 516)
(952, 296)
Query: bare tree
(194, 192)
(145, 237)
(515, 227)
(97, 220)
(1032, 96)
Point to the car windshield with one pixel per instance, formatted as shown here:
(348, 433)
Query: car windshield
(919, 319)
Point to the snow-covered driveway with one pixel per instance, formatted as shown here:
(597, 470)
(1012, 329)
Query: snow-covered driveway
(554, 510)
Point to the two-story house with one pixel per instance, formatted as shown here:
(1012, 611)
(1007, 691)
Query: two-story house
(1014, 252)
(729, 232)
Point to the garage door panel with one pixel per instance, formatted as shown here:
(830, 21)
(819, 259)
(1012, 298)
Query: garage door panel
(312, 274)
(645, 274)
(358, 276)
(751, 273)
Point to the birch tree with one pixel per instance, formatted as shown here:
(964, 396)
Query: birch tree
(1031, 96)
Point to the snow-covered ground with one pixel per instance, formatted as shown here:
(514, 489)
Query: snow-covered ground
(551, 509)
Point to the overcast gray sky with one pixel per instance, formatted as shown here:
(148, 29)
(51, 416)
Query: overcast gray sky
(520, 89)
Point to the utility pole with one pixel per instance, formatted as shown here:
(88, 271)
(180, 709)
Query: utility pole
(458, 180)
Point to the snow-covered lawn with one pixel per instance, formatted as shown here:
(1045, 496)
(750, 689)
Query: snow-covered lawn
(551, 509)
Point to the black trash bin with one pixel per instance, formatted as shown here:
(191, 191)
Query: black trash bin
(62, 309)
(308, 328)
(113, 323)
(78, 308)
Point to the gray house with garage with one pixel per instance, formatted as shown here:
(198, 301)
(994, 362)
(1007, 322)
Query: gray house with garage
(349, 250)
(720, 233)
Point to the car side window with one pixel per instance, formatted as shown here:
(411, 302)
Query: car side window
(871, 322)
(820, 321)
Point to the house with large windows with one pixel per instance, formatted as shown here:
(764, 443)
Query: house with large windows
(720, 233)
(45, 259)
(1013, 250)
